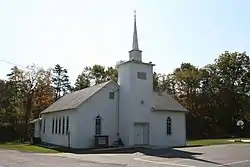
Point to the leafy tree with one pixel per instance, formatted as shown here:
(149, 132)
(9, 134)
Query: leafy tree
(14, 95)
(83, 80)
(2, 101)
(44, 95)
(233, 88)
(24, 92)
(98, 74)
(111, 73)
(95, 75)
(2, 89)
(30, 84)
(61, 81)
(168, 83)
(156, 81)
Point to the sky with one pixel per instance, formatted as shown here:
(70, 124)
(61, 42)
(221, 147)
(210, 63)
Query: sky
(79, 33)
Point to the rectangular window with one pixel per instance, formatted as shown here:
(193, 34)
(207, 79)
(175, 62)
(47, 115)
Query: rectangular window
(63, 126)
(67, 124)
(53, 124)
(60, 125)
(56, 124)
(111, 95)
(44, 123)
(142, 75)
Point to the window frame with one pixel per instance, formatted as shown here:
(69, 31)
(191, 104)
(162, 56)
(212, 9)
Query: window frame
(53, 125)
(63, 125)
(67, 124)
(60, 124)
(169, 126)
(56, 128)
(111, 95)
(142, 75)
(98, 125)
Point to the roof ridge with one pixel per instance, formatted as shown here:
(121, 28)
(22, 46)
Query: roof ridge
(103, 83)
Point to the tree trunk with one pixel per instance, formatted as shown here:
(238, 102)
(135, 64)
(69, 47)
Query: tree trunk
(27, 115)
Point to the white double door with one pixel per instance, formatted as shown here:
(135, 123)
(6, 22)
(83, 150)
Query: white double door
(141, 133)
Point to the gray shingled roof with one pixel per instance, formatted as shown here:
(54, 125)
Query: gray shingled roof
(165, 102)
(161, 100)
(74, 99)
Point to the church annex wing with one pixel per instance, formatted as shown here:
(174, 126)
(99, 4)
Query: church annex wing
(164, 102)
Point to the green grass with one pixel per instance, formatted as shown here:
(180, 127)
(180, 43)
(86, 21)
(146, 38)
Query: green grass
(36, 149)
(26, 148)
(207, 142)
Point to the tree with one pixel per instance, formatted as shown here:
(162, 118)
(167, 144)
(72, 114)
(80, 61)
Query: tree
(2, 90)
(98, 74)
(156, 81)
(2, 101)
(95, 75)
(25, 92)
(217, 94)
(14, 96)
(84, 79)
(44, 94)
(61, 81)
(167, 83)
(233, 88)
(111, 74)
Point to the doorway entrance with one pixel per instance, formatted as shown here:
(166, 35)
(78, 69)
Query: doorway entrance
(141, 133)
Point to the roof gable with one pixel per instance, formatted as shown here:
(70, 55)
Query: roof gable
(74, 99)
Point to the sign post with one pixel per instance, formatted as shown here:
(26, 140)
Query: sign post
(68, 134)
(240, 124)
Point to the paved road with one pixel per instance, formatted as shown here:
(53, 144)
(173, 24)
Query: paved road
(17, 159)
(233, 155)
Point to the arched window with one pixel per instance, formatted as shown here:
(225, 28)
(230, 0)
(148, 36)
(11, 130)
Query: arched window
(169, 126)
(98, 124)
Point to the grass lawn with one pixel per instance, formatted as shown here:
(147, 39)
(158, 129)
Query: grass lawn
(26, 148)
(206, 142)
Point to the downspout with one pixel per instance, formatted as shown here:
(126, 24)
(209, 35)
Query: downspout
(118, 114)
(185, 115)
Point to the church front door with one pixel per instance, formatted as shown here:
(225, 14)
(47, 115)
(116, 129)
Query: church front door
(141, 133)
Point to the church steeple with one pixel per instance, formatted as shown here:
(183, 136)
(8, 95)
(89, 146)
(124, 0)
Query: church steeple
(135, 39)
(135, 53)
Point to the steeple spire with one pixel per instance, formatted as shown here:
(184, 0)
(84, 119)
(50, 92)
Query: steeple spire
(135, 39)
(135, 53)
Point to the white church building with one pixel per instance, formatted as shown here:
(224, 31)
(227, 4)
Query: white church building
(128, 110)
